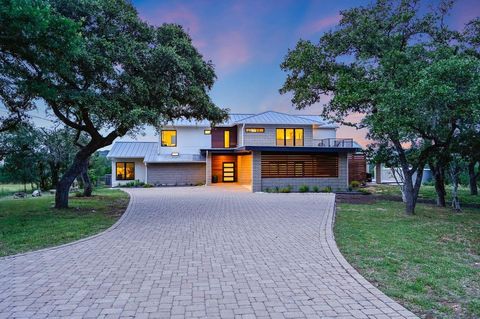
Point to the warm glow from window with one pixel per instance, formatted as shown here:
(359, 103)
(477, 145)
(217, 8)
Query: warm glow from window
(125, 171)
(207, 131)
(226, 139)
(169, 138)
(298, 137)
(280, 137)
(289, 136)
(255, 130)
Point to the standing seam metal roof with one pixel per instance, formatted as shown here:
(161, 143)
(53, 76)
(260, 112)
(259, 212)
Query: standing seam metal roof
(132, 149)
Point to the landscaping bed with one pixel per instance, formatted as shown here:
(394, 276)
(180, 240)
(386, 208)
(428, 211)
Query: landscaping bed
(32, 223)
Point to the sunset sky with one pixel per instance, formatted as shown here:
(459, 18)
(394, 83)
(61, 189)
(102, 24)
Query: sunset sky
(247, 41)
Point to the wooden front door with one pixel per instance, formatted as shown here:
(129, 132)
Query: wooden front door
(228, 172)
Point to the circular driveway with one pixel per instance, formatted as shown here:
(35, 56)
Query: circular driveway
(199, 252)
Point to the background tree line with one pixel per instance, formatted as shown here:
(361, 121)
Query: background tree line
(40, 156)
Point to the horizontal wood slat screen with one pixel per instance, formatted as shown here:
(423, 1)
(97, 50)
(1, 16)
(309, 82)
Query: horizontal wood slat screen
(299, 165)
(357, 168)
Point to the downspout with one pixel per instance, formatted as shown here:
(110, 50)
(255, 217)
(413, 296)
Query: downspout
(146, 172)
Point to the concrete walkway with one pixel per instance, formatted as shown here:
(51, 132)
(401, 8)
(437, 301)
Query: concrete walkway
(199, 252)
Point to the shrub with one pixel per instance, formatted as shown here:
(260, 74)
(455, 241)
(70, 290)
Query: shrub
(147, 185)
(78, 194)
(277, 189)
(304, 189)
(267, 190)
(326, 189)
(355, 184)
(315, 189)
(287, 189)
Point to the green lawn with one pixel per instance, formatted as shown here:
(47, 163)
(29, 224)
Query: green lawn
(32, 223)
(9, 189)
(429, 262)
(427, 192)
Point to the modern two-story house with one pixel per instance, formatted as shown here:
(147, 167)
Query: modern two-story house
(260, 151)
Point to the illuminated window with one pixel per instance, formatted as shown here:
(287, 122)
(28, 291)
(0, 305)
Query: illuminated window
(207, 131)
(298, 137)
(125, 171)
(289, 136)
(255, 130)
(280, 137)
(226, 139)
(169, 138)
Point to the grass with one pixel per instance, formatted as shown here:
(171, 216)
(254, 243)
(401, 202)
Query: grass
(32, 223)
(430, 262)
(427, 192)
(10, 189)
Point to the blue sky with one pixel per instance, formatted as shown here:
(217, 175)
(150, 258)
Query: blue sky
(247, 41)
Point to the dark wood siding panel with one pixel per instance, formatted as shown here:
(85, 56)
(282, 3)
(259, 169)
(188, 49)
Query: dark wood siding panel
(218, 134)
(299, 165)
(357, 168)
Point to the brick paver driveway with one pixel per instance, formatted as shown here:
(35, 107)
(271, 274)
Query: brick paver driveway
(198, 252)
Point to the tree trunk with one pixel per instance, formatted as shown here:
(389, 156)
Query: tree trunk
(473, 176)
(438, 171)
(63, 186)
(87, 183)
(454, 173)
(411, 187)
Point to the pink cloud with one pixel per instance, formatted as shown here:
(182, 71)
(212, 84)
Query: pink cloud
(230, 49)
(180, 15)
(319, 25)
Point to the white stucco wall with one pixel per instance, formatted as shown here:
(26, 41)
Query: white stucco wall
(140, 170)
(320, 133)
(189, 140)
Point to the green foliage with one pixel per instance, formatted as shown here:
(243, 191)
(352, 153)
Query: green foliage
(411, 78)
(316, 189)
(37, 156)
(101, 70)
(355, 184)
(135, 183)
(287, 189)
(304, 189)
(326, 189)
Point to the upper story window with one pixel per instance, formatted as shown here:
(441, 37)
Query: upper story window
(207, 131)
(125, 171)
(254, 130)
(226, 139)
(169, 138)
(289, 136)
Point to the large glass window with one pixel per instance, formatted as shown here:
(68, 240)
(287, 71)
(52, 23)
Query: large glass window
(289, 136)
(169, 138)
(280, 137)
(125, 171)
(226, 139)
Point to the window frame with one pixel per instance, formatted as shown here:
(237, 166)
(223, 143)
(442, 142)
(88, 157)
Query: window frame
(294, 140)
(176, 138)
(124, 177)
(255, 130)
